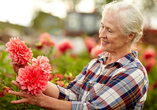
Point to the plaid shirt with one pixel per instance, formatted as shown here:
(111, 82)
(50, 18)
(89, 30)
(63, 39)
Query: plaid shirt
(120, 85)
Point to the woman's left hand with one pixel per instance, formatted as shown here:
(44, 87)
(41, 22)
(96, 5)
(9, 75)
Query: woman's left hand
(17, 67)
(40, 100)
(26, 98)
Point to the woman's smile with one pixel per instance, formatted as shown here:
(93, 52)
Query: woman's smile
(104, 42)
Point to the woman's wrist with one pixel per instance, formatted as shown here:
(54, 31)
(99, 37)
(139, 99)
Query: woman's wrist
(43, 101)
(53, 103)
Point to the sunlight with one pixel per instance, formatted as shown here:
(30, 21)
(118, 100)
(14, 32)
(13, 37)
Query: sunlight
(86, 6)
(16, 11)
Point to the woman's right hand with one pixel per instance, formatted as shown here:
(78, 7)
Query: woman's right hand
(16, 67)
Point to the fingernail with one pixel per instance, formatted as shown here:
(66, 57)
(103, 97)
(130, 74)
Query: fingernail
(13, 81)
(9, 91)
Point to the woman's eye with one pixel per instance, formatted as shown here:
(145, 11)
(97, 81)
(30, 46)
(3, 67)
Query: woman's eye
(109, 30)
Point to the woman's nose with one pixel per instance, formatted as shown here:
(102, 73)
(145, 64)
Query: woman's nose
(102, 33)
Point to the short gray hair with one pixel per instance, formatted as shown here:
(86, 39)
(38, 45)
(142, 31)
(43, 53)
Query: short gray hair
(129, 18)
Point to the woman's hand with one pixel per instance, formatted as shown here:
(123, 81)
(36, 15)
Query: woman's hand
(16, 67)
(40, 100)
(26, 98)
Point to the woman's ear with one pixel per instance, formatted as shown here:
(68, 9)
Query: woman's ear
(131, 36)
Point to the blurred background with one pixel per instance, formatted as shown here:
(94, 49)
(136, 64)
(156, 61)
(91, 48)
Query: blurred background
(72, 18)
(75, 20)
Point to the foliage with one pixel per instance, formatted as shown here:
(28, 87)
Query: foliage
(66, 64)
(7, 74)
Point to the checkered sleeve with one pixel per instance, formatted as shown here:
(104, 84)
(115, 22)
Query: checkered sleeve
(73, 89)
(122, 91)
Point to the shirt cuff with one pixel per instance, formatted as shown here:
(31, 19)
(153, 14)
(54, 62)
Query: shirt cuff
(62, 94)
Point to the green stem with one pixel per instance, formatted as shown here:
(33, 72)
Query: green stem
(49, 55)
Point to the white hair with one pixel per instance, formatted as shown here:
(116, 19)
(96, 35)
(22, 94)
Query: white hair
(129, 18)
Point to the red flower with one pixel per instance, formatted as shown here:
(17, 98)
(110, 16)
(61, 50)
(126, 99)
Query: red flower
(19, 52)
(46, 39)
(39, 45)
(96, 51)
(43, 63)
(148, 53)
(60, 76)
(90, 43)
(150, 63)
(65, 45)
(32, 79)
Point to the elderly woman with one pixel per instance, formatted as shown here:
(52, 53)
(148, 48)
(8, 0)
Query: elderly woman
(116, 79)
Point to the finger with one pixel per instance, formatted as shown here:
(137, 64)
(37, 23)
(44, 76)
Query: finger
(15, 83)
(16, 93)
(15, 67)
(11, 63)
(24, 100)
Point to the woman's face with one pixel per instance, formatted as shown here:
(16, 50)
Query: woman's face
(112, 39)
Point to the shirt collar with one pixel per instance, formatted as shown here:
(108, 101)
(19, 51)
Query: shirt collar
(122, 61)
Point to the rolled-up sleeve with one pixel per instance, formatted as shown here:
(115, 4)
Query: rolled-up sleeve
(72, 91)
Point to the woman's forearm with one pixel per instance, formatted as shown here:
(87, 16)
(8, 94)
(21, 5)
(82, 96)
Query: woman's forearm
(55, 104)
(52, 90)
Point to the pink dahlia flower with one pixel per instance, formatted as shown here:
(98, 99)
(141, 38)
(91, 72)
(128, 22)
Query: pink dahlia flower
(149, 53)
(65, 45)
(150, 63)
(96, 51)
(46, 39)
(90, 42)
(19, 52)
(32, 79)
(59, 76)
(43, 63)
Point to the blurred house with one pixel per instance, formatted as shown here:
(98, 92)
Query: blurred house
(79, 23)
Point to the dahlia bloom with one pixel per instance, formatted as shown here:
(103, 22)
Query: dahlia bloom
(90, 43)
(46, 39)
(148, 53)
(150, 63)
(43, 63)
(65, 45)
(19, 52)
(32, 79)
(149, 56)
(95, 51)
(59, 76)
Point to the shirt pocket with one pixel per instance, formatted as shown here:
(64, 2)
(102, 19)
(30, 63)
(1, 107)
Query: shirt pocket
(96, 88)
